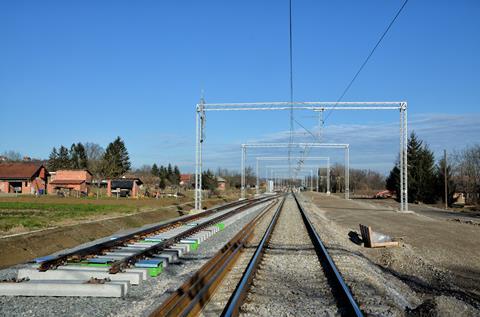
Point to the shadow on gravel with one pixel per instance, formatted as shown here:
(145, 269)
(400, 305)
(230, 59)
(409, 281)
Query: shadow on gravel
(417, 284)
(355, 237)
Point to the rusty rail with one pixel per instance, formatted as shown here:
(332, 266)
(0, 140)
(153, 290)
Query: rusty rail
(120, 264)
(189, 299)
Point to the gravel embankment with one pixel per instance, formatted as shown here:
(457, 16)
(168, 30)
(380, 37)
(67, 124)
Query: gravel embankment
(140, 300)
(378, 289)
(290, 280)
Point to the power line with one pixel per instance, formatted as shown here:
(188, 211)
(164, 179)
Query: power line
(291, 87)
(367, 59)
(307, 150)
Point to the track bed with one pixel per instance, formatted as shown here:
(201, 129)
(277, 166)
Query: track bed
(290, 280)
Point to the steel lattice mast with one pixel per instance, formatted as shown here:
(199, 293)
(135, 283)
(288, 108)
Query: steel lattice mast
(400, 106)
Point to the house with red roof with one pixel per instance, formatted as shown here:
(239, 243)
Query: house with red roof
(67, 181)
(187, 180)
(23, 178)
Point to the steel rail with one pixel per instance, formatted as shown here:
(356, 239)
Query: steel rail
(344, 297)
(233, 306)
(340, 288)
(100, 247)
(118, 265)
(193, 294)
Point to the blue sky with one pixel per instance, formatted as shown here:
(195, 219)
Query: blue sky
(88, 71)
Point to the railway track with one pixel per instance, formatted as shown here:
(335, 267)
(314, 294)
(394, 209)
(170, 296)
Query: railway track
(289, 272)
(109, 268)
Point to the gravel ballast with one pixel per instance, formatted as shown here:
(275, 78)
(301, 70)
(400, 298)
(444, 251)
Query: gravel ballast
(227, 286)
(290, 280)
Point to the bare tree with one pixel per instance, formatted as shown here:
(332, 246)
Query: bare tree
(94, 151)
(467, 172)
(13, 156)
(94, 155)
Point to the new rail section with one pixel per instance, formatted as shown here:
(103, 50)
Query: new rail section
(109, 268)
(51, 262)
(191, 297)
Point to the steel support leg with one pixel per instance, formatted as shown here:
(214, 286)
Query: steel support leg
(257, 185)
(405, 159)
(402, 155)
(328, 177)
(347, 173)
(197, 160)
(243, 172)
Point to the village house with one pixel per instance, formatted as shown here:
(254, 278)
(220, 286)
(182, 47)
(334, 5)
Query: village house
(124, 187)
(187, 180)
(221, 183)
(68, 181)
(23, 178)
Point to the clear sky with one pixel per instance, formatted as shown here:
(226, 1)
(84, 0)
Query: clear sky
(91, 70)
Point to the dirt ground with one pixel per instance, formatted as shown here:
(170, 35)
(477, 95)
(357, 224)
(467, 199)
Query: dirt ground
(436, 269)
(25, 247)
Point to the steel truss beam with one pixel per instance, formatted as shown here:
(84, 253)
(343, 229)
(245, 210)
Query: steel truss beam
(276, 169)
(401, 106)
(283, 158)
(298, 145)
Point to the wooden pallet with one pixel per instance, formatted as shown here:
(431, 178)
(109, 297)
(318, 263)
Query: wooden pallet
(366, 232)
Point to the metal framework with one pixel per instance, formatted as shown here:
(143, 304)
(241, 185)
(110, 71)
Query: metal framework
(276, 168)
(298, 145)
(202, 108)
(282, 158)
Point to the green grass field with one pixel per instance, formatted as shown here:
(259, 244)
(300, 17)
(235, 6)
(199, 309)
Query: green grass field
(26, 213)
(31, 216)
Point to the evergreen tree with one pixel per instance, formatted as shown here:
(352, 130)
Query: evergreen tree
(82, 162)
(78, 156)
(209, 181)
(428, 177)
(176, 174)
(63, 161)
(162, 172)
(52, 163)
(155, 171)
(170, 175)
(393, 181)
(162, 184)
(116, 161)
(421, 173)
(73, 157)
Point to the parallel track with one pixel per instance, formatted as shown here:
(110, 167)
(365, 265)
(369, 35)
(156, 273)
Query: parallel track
(117, 266)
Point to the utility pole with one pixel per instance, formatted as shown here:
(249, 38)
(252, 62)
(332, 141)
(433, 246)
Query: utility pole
(445, 176)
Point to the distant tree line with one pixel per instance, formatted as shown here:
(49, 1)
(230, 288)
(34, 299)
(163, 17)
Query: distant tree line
(361, 180)
(12, 156)
(169, 176)
(233, 178)
(465, 171)
(426, 178)
(112, 162)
